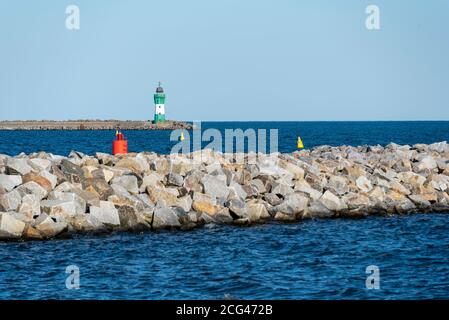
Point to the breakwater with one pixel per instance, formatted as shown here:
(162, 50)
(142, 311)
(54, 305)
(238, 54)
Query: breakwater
(45, 196)
(93, 125)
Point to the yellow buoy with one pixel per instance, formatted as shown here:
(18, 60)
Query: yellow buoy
(300, 145)
(181, 138)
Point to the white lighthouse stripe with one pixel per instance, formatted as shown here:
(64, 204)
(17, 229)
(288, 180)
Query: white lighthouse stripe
(160, 109)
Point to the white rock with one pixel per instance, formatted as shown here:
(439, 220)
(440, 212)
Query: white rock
(427, 163)
(10, 227)
(30, 206)
(80, 203)
(108, 174)
(364, 184)
(18, 166)
(40, 164)
(9, 182)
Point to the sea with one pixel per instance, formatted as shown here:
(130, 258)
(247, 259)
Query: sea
(398, 257)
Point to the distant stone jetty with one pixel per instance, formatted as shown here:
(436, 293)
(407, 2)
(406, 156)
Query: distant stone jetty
(93, 125)
(44, 196)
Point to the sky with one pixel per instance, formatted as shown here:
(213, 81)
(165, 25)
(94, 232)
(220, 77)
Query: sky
(225, 60)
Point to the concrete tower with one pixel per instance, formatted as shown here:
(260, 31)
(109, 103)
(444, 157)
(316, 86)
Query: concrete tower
(159, 104)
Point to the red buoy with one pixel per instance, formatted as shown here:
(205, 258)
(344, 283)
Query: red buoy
(119, 145)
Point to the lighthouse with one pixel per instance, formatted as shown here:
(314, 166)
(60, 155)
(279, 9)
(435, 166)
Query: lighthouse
(159, 104)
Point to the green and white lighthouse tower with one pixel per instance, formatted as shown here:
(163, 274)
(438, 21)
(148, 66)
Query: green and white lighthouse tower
(159, 104)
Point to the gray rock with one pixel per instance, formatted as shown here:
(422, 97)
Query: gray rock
(426, 163)
(310, 192)
(185, 203)
(175, 179)
(30, 206)
(150, 180)
(440, 182)
(420, 202)
(10, 201)
(223, 216)
(136, 164)
(238, 189)
(439, 147)
(59, 207)
(98, 187)
(145, 199)
(157, 194)
(165, 218)
(294, 205)
(405, 206)
(237, 207)
(130, 220)
(192, 182)
(48, 228)
(128, 182)
(280, 216)
(215, 186)
(281, 189)
(76, 155)
(257, 212)
(106, 213)
(338, 184)
(126, 199)
(259, 185)
(39, 165)
(273, 199)
(10, 227)
(9, 182)
(160, 165)
(79, 203)
(32, 188)
(332, 202)
(318, 210)
(71, 171)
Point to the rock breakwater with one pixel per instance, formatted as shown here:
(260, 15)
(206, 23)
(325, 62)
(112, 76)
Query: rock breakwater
(45, 196)
(93, 125)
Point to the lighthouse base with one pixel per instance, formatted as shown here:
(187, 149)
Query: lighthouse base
(159, 118)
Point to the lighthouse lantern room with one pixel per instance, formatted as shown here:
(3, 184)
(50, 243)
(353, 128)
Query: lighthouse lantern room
(159, 103)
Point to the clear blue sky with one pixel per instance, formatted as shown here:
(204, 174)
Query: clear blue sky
(225, 60)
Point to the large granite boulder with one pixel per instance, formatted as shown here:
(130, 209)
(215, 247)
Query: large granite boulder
(10, 227)
(9, 182)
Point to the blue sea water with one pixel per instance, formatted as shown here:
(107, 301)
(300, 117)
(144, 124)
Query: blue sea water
(313, 259)
(312, 134)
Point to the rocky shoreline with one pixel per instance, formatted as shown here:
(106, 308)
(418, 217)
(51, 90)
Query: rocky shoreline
(44, 196)
(93, 125)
